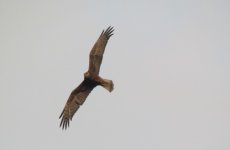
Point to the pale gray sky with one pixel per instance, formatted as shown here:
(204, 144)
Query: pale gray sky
(169, 60)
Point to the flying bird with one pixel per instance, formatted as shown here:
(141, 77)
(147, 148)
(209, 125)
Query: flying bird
(91, 79)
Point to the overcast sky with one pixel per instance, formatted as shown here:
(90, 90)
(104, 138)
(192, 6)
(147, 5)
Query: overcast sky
(169, 61)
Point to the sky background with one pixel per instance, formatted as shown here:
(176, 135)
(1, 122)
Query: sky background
(169, 61)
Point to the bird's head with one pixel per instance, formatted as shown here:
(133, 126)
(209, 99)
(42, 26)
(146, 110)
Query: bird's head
(87, 74)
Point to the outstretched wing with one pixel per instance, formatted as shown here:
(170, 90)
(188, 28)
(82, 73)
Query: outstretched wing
(96, 54)
(76, 98)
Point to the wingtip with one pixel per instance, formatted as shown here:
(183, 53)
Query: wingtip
(110, 27)
(61, 114)
(64, 121)
(109, 31)
(64, 124)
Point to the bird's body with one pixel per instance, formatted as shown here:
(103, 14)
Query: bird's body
(91, 79)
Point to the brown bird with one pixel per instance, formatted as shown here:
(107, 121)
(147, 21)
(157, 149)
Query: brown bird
(91, 79)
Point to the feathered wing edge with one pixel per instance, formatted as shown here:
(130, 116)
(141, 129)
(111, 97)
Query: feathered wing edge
(76, 99)
(108, 32)
(65, 121)
(98, 49)
(67, 113)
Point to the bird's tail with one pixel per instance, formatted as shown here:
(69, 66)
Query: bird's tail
(107, 84)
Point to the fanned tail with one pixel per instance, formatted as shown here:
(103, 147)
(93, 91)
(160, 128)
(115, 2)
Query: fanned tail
(107, 84)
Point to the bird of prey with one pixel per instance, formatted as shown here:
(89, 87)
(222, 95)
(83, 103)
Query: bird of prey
(91, 79)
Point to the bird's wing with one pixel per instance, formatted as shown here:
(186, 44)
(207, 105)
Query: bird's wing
(96, 54)
(76, 98)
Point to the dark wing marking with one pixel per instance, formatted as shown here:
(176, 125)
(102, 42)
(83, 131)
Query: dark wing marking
(96, 54)
(76, 98)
